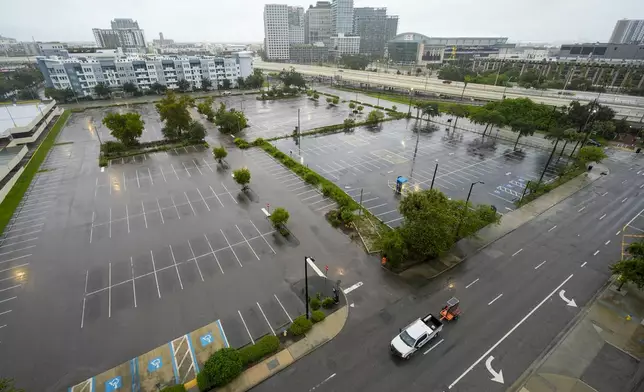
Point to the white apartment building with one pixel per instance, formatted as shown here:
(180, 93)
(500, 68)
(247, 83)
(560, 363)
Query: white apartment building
(81, 74)
(276, 32)
(341, 44)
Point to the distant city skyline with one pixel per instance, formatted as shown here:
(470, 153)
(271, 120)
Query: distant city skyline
(537, 21)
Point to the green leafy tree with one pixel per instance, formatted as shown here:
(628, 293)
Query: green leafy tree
(335, 101)
(102, 90)
(158, 88)
(292, 78)
(605, 129)
(358, 62)
(59, 95)
(256, 80)
(375, 116)
(590, 154)
(219, 153)
(631, 268)
(360, 108)
(126, 128)
(349, 124)
(329, 100)
(183, 85)
(242, 177)
(458, 111)
(174, 112)
(225, 84)
(6, 385)
(316, 96)
(206, 84)
(205, 108)
(196, 131)
(279, 217)
(521, 128)
(240, 83)
(230, 122)
(352, 105)
(394, 108)
(430, 110)
(130, 87)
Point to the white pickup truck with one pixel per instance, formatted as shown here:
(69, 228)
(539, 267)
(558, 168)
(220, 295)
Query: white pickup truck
(416, 335)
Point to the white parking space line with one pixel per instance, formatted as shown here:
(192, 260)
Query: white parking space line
(215, 194)
(15, 258)
(596, 252)
(27, 221)
(138, 183)
(229, 194)
(602, 217)
(212, 251)
(263, 314)
(150, 175)
(176, 267)
(17, 250)
(175, 207)
(127, 218)
(175, 172)
(196, 261)
(109, 290)
(156, 279)
(245, 326)
(204, 200)
(197, 166)
(552, 228)
(434, 346)
(231, 248)
(187, 171)
(283, 308)
(517, 252)
(475, 280)
(187, 198)
(133, 281)
(207, 164)
(8, 311)
(247, 243)
(144, 217)
(262, 235)
(160, 212)
(23, 234)
(18, 242)
(542, 263)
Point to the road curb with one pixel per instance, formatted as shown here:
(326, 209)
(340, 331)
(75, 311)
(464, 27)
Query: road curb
(558, 340)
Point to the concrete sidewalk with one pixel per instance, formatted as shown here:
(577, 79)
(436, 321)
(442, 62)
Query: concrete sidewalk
(602, 352)
(319, 335)
(511, 221)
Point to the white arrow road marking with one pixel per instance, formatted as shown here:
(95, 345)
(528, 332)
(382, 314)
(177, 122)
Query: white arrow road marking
(497, 377)
(569, 302)
(517, 325)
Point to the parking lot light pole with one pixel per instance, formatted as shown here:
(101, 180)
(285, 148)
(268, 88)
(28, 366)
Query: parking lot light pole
(434, 176)
(411, 95)
(306, 282)
(458, 228)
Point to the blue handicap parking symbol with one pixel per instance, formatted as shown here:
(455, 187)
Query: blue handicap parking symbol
(206, 339)
(154, 364)
(113, 384)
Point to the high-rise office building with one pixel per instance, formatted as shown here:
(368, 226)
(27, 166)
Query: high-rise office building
(276, 32)
(125, 33)
(391, 29)
(295, 25)
(318, 26)
(628, 31)
(370, 25)
(342, 16)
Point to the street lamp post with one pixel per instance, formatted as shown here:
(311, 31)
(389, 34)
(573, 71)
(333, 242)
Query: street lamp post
(463, 92)
(458, 228)
(434, 176)
(506, 87)
(306, 282)
(411, 95)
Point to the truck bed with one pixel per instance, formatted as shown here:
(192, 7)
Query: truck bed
(432, 322)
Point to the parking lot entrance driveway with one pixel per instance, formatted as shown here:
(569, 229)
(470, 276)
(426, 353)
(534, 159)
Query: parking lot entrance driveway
(367, 162)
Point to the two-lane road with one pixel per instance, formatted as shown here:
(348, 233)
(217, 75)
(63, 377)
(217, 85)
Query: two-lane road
(511, 297)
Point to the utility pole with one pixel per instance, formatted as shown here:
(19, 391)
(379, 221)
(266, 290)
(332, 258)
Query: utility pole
(299, 134)
(306, 282)
(434, 176)
(458, 228)
(552, 153)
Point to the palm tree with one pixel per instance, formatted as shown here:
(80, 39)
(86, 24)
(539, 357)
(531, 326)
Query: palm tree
(430, 110)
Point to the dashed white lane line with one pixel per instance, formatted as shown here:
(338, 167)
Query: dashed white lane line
(607, 242)
(604, 194)
(584, 264)
(434, 346)
(581, 209)
(542, 263)
(618, 232)
(602, 217)
(8, 299)
(468, 286)
(517, 252)
(552, 228)
(595, 254)
(626, 198)
(494, 300)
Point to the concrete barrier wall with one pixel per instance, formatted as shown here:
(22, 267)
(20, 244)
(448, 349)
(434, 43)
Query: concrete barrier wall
(36, 134)
(7, 187)
(13, 163)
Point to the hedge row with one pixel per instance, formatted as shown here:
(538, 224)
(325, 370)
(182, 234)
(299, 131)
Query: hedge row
(227, 363)
(174, 388)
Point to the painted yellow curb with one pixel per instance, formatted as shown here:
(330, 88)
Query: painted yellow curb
(191, 384)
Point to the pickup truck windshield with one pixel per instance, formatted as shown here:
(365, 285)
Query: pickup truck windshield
(407, 339)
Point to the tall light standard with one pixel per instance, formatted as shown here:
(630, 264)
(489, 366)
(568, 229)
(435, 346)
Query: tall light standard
(506, 87)
(434, 176)
(458, 228)
(411, 95)
(307, 259)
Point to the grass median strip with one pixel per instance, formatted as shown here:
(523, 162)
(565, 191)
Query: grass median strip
(13, 198)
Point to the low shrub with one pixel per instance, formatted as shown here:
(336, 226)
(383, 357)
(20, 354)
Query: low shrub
(346, 215)
(174, 388)
(269, 344)
(333, 219)
(312, 178)
(379, 107)
(112, 147)
(327, 190)
(315, 303)
(258, 142)
(102, 161)
(317, 316)
(241, 143)
(222, 367)
(204, 383)
(328, 303)
(300, 326)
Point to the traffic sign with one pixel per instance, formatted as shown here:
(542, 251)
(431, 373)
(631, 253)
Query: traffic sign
(155, 364)
(206, 339)
(113, 384)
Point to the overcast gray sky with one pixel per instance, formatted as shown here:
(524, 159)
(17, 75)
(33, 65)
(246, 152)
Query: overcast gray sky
(241, 20)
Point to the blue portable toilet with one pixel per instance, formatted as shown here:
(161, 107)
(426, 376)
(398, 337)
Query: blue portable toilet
(400, 182)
